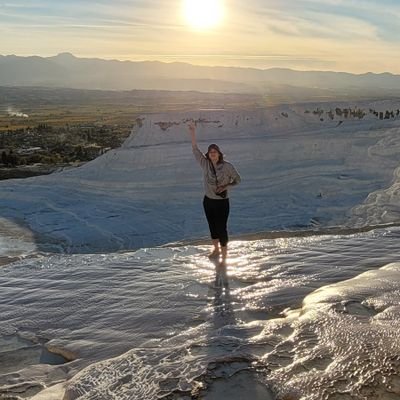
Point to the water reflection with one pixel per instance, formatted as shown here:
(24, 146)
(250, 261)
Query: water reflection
(222, 303)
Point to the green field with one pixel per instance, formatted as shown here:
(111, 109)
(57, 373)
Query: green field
(58, 127)
(62, 107)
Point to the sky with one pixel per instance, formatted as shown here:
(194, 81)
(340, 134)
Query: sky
(338, 35)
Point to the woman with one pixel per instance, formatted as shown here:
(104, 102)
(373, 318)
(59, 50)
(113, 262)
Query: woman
(219, 176)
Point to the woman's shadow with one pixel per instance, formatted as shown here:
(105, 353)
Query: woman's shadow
(223, 310)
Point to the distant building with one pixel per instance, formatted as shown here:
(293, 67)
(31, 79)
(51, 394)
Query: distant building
(29, 150)
(93, 150)
(87, 152)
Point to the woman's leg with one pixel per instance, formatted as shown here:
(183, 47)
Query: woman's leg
(215, 252)
(224, 253)
(212, 216)
(222, 221)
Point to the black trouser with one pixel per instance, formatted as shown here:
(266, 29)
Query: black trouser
(217, 212)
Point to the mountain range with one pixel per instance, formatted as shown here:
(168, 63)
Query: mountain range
(66, 70)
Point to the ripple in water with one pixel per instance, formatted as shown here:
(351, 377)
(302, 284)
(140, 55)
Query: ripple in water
(290, 318)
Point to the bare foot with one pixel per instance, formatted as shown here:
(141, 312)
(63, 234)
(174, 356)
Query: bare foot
(214, 255)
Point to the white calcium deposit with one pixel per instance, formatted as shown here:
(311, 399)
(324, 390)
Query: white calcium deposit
(298, 172)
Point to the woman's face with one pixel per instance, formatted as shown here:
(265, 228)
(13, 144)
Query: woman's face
(213, 155)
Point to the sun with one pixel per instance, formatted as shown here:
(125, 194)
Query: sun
(203, 14)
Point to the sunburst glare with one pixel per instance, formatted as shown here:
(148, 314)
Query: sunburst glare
(203, 15)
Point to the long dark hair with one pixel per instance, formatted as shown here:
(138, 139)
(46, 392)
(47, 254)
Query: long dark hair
(220, 154)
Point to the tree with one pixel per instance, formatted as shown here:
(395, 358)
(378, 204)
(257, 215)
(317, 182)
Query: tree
(12, 159)
(4, 158)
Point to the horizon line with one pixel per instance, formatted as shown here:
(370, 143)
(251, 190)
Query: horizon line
(204, 65)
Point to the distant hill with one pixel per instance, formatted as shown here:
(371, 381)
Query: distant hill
(66, 70)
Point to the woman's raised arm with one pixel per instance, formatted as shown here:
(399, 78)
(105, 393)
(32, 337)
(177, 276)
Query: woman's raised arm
(192, 131)
(200, 157)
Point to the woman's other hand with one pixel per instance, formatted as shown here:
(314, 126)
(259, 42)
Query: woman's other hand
(192, 128)
(221, 189)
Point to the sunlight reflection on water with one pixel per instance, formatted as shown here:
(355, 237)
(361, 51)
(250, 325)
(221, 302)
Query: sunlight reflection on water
(173, 312)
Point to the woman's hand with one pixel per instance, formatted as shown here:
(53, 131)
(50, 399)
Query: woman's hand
(221, 189)
(192, 127)
(192, 131)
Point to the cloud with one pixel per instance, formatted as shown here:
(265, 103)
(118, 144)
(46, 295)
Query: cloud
(323, 25)
(337, 34)
(368, 16)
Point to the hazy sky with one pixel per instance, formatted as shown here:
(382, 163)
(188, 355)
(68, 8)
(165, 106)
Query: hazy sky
(340, 35)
